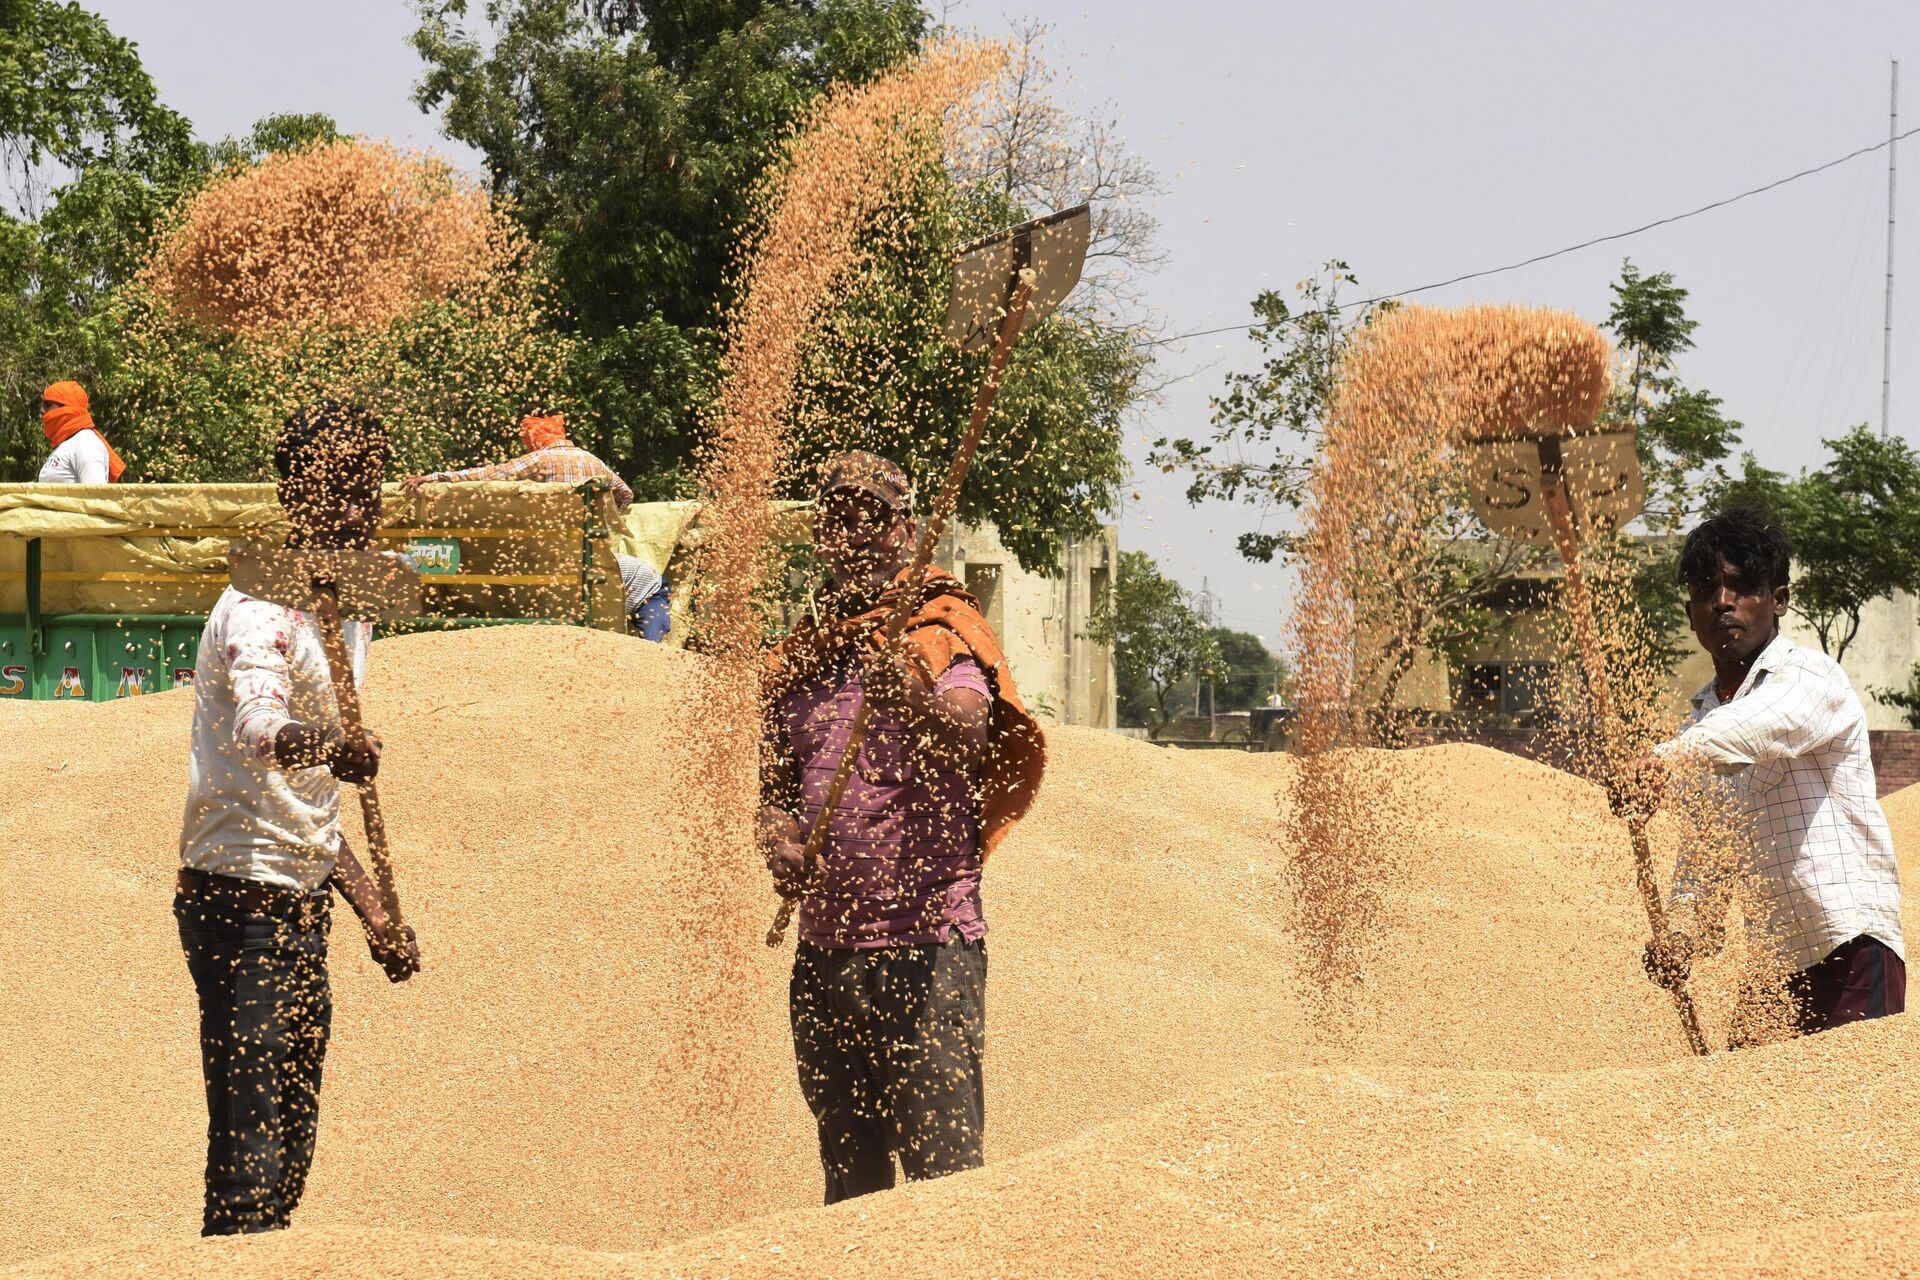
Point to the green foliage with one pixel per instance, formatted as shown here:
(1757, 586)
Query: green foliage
(282, 131)
(75, 94)
(1158, 639)
(1263, 416)
(882, 375)
(630, 137)
(1242, 672)
(1682, 439)
(1906, 700)
(1854, 524)
(1681, 434)
(74, 104)
(450, 380)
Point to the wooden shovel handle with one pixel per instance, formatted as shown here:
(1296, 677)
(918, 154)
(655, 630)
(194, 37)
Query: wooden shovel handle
(896, 624)
(347, 697)
(1612, 733)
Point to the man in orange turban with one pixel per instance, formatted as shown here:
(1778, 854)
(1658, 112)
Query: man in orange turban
(81, 455)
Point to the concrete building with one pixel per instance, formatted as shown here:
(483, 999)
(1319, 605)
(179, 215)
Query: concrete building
(1504, 675)
(1042, 619)
(1881, 655)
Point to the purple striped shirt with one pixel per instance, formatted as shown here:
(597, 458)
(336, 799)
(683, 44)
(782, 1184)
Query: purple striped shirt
(901, 863)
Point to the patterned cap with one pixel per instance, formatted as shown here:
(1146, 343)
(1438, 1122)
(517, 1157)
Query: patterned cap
(869, 473)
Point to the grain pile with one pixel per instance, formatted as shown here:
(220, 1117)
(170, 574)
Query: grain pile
(1363, 1171)
(525, 1085)
(338, 233)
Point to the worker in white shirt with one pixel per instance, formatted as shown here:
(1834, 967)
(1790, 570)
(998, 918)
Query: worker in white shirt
(81, 454)
(1785, 730)
(261, 845)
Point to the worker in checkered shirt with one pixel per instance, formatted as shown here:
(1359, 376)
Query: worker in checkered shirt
(1787, 731)
(551, 458)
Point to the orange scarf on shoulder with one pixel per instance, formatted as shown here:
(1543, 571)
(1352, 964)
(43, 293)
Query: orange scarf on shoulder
(69, 417)
(946, 627)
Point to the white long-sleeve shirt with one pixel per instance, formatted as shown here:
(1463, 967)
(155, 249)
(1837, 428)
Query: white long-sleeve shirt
(261, 666)
(1792, 746)
(79, 459)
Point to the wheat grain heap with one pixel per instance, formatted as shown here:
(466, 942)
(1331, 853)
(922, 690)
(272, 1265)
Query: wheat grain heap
(344, 232)
(1516, 1103)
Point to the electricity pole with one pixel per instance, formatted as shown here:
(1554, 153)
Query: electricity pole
(1886, 338)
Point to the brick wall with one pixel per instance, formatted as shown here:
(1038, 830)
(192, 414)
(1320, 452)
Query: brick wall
(1896, 757)
(1896, 752)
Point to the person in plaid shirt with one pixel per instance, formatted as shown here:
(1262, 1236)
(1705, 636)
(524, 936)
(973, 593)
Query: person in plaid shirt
(1785, 730)
(550, 459)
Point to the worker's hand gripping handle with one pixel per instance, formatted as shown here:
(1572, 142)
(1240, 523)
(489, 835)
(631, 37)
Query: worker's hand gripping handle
(347, 697)
(1612, 732)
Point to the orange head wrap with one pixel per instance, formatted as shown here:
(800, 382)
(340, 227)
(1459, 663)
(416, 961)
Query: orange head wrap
(539, 432)
(69, 417)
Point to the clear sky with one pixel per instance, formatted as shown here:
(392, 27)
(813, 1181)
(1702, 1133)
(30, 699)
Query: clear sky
(1417, 141)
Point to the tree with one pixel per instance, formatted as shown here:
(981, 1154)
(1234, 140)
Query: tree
(882, 375)
(1854, 524)
(1906, 700)
(1263, 416)
(1157, 636)
(74, 95)
(91, 159)
(630, 135)
(1242, 674)
(1035, 154)
(1680, 432)
(1682, 439)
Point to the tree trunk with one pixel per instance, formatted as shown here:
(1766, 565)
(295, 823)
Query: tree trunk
(1160, 692)
(1853, 629)
(1392, 731)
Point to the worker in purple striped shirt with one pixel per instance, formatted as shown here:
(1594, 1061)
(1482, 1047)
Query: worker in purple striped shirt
(888, 995)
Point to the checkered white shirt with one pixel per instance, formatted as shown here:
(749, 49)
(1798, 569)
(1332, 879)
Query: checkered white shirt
(1792, 745)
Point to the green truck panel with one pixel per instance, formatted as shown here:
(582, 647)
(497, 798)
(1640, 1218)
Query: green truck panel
(15, 662)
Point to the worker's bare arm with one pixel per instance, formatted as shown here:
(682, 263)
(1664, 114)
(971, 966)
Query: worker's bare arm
(954, 724)
(394, 949)
(782, 838)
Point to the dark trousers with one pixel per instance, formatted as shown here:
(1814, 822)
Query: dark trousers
(265, 1011)
(889, 1045)
(1859, 979)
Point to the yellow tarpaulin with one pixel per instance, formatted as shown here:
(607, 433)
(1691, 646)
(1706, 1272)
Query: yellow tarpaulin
(161, 549)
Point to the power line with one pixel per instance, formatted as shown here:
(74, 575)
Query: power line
(1543, 257)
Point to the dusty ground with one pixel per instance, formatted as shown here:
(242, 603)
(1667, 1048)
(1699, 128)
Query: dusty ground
(1516, 1101)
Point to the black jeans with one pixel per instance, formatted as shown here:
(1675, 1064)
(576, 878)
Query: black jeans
(265, 1012)
(889, 1045)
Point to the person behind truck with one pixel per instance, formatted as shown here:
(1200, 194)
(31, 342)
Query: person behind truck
(647, 589)
(261, 845)
(81, 454)
(550, 458)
